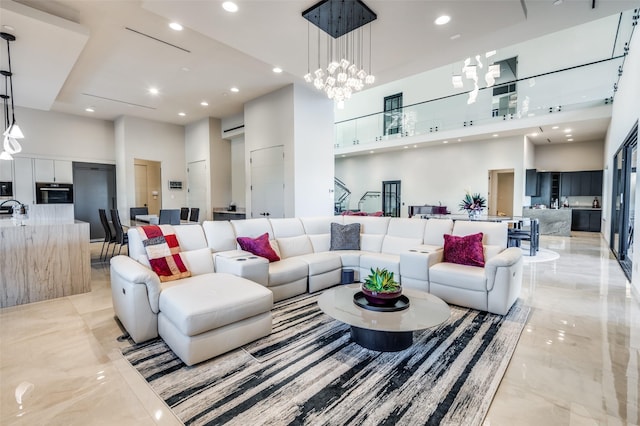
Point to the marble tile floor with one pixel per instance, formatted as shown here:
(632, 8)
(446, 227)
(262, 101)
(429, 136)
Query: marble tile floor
(577, 362)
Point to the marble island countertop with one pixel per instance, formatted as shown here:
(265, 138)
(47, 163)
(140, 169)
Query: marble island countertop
(9, 221)
(228, 211)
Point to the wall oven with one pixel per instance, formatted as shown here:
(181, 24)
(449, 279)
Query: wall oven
(54, 193)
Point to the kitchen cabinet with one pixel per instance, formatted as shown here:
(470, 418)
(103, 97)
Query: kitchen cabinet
(58, 171)
(586, 220)
(23, 188)
(6, 171)
(532, 184)
(585, 183)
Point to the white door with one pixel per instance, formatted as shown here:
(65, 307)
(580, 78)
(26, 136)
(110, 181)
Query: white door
(197, 187)
(267, 182)
(141, 185)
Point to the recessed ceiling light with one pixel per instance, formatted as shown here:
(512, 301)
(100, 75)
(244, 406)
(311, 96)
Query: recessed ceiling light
(568, 136)
(371, 152)
(230, 6)
(204, 103)
(89, 109)
(182, 114)
(415, 146)
(277, 70)
(405, 147)
(175, 26)
(534, 134)
(455, 36)
(557, 2)
(459, 140)
(445, 141)
(185, 69)
(495, 135)
(343, 155)
(555, 127)
(154, 90)
(569, 140)
(8, 27)
(567, 130)
(441, 20)
(234, 89)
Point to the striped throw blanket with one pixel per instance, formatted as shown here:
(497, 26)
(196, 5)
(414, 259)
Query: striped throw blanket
(163, 251)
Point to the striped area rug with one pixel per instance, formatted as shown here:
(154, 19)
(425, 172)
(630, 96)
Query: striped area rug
(308, 371)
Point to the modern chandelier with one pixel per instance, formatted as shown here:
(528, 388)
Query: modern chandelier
(12, 131)
(341, 48)
(471, 71)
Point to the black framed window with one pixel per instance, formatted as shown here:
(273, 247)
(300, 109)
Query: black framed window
(392, 114)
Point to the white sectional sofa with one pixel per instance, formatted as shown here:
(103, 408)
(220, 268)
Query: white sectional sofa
(411, 248)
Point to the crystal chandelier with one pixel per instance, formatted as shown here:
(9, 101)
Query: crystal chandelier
(470, 72)
(341, 48)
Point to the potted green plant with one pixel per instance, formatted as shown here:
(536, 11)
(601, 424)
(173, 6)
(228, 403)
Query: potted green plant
(380, 288)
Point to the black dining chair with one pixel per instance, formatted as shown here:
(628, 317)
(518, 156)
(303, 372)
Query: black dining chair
(169, 217)
(184, 213)
(109, 235)
(195, 213)
(135, 211)
(121, 237)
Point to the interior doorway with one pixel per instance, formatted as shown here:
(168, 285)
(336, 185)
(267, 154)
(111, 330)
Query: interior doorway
(267, 182)
(94, 188)
(391, 198)
(148, 186)
(501, 186)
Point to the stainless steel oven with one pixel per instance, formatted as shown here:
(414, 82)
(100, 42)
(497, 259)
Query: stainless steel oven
(54, 193)
(6, 189)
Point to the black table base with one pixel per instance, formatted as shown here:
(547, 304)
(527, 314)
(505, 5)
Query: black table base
(383, 341)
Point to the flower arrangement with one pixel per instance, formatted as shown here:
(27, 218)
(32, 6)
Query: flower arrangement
(473, 203)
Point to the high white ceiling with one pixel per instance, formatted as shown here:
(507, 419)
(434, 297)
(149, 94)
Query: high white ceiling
(72, 54)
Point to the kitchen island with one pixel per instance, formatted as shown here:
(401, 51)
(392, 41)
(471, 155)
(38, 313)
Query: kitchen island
(43, 259)
(551, 221)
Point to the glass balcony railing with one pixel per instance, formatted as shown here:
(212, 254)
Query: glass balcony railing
(584, 86)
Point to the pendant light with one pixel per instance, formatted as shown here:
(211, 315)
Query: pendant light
(13, 130)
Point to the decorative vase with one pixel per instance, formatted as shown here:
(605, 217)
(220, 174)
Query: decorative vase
(381, 298)
(475, 214)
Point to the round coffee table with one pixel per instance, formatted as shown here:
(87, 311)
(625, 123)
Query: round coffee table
(384, 331)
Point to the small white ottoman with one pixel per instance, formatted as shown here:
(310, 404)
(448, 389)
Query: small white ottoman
(213, 314)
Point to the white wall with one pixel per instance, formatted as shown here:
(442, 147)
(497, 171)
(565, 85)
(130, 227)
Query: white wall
(314, 161)
(434, 175)
(237, 172)
(268, 122)
(570, 157)
(149, 140)
(220, 160)
(301, 120)
(66, 137)
(626, 111)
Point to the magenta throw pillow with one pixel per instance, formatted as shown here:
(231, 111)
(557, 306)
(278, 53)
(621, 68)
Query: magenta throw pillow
(259, 246)
(465, 250)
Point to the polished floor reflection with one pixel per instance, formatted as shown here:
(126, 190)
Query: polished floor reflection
(577, 362)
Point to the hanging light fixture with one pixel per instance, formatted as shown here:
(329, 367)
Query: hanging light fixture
(13, 131)
(343, 49)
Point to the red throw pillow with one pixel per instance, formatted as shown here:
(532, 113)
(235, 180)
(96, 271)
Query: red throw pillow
(465, 250)
(259, 246)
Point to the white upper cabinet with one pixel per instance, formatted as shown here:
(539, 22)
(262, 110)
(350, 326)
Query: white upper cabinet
(6, 171)
(58, 171)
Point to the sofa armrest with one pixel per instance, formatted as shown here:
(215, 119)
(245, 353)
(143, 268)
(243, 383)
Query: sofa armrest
(133, 273)
(507, 259)
(415, 264)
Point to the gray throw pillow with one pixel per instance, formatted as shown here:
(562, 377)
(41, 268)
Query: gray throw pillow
(345, 237)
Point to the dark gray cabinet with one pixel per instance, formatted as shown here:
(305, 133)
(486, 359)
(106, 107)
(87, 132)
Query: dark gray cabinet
(587, 183)
(532, 184)
(586, 220)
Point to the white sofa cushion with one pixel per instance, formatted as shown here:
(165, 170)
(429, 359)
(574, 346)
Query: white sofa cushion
(286, 271)
(390, 262)
(198, 261)
(207, 302)
(459, 276)
(252, 227)
(320, 242)
(494, 233)
(190, 237)
(284, 228)
(372, 243)
(319, 225)
(294, 246)
(320, 263)
(397, 245)
(369, 224)
(434, 230)
(220, 235)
